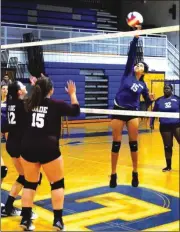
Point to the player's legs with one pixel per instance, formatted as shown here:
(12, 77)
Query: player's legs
(54, 171)
(176, 133)
(167, 137)
(9, 209)
(32, 176)
(4, 170)
(117, 128)
(132, 127)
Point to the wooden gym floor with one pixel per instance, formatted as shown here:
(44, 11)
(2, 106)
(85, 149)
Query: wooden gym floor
(89, 203)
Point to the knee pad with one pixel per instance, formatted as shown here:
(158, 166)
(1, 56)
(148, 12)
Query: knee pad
(4, 171)
(30, 185)
(21, 179)
(40, 179)
(133, 146)
(116, 147)
(168, 148)
(58, 184)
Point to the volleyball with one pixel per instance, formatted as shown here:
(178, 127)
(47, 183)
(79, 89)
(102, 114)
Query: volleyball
(134, 19)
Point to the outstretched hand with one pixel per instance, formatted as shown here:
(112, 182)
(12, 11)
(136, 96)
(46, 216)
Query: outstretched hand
(34, 79)
(71, 88)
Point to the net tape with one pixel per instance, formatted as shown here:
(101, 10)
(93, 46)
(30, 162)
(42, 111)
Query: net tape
(148, 114)
(94, 37)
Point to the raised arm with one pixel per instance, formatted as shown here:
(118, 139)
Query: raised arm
(73, 109)
(131, 57)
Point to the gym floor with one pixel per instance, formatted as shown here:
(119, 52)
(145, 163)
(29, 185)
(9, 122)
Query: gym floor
(89, 203)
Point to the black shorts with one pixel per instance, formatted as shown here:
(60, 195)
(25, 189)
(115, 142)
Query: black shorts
(13, 146)
(168, 127)
(40, 150)
(122, 117)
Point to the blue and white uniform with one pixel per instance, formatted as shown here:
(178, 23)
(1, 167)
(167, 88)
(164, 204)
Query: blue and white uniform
(128, 95)
(167, 104)
(3, 117)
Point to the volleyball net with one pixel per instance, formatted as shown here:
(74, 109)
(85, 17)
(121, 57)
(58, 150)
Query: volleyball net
(94, 62)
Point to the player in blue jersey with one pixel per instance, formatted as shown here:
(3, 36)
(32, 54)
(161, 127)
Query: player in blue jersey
(169, 127)
(15, 125)
(128, 98)
(4, 91)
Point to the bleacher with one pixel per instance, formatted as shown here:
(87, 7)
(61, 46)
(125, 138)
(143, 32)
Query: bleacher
(61, 72)
(39, 14)
(96, 84)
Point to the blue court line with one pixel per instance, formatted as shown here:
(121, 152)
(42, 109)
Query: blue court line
(72, 207)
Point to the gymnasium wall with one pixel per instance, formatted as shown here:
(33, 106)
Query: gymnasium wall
(97, 77)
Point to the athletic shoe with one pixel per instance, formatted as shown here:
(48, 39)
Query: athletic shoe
(113, 181)
(34, 216)
(58, 225)
(14, 212)
(27, 224)
(166, 169)
(135, 181)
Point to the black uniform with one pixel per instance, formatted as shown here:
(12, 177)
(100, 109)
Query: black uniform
(41, 139)
(16, 125)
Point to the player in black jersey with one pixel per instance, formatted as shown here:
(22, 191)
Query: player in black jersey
(15, 126)
(40, 147)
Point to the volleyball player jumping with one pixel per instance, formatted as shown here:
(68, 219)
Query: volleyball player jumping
(128, 98)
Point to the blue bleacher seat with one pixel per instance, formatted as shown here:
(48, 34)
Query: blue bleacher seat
(14, 18)
(83, 65)
(53, 21)
(67, 77)
(85, 11)
(112, 72)
(60, 71)
(14, 11)
(25, 5)
(62, 84)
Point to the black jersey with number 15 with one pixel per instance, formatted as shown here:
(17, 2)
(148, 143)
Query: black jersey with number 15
(45, 120)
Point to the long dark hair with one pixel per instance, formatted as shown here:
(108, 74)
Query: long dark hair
(39, 92)
(13, 89)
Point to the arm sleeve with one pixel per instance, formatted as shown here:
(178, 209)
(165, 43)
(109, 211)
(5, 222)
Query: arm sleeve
(66, 109)
(131, 57)
(155, 108)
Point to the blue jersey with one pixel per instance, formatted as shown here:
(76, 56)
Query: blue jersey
(3, 113)
(128, 95)
(170, 104)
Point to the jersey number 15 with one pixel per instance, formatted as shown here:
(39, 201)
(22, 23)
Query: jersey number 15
(38, 120)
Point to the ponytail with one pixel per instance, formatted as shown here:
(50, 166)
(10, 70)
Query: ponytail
(35, 98)
(39, 92)
(13, 91)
